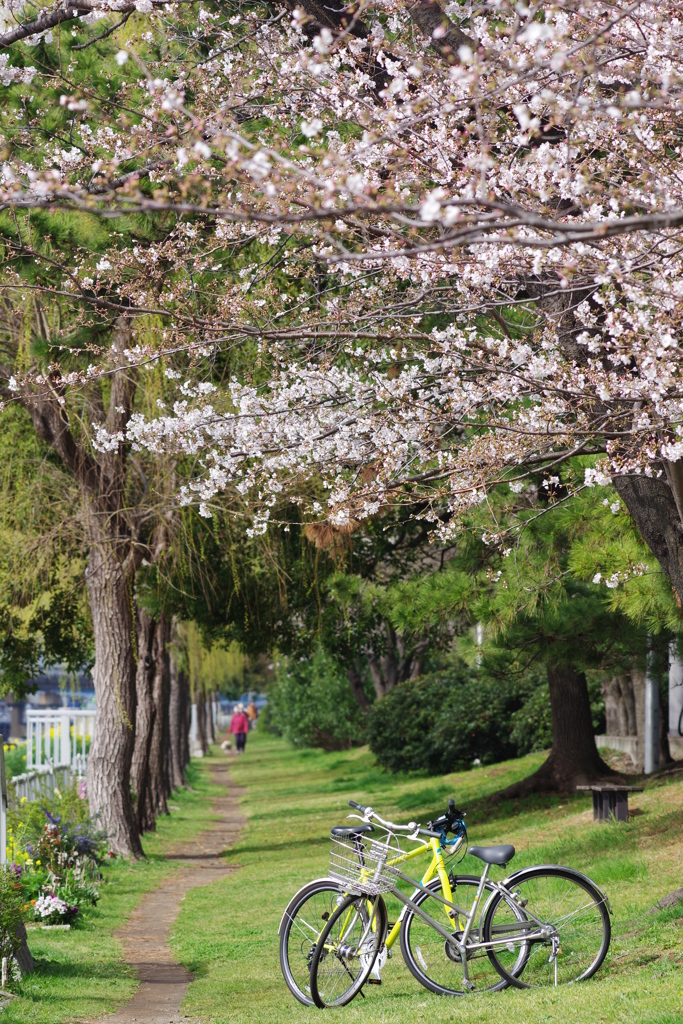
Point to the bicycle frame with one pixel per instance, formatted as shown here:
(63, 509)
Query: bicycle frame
(530, 930)
(436, 868)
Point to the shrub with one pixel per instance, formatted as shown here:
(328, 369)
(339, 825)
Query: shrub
(15, 759)
(11, 904)
(311, 705)
(442, 722)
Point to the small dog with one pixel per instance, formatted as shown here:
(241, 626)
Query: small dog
(226, 745)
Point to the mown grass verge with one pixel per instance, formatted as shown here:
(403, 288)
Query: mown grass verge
(227, 933)
(80, 974)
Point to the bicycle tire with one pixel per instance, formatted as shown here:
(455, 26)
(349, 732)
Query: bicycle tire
(577, 911)
(431, 961)
(299, 935)
(361, 910)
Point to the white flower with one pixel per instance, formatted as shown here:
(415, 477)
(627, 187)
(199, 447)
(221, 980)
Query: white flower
(591, 477)
(201, 149)
(597, 577)
(311, 128)
(431, 208)
(121, 58)
(516, 486)
(104, 264)
(144, 6)
(322, 43)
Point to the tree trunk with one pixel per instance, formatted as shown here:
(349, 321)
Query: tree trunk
(201, 723)
(396, 664)
(176, 724)
(357, 689)
(620, 708)
(653, 507)
(23, 954)
(159, 784)
(665, 757)
(574, 758)
(187, 710)
(144, 721)
(114, 674)
(210, 733)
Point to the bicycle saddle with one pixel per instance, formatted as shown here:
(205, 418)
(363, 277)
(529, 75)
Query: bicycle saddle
(349, 831)
(493, 854)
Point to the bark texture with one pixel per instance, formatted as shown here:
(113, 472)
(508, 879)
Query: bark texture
(395, 664)
(652, 505)
(357, 689)
(114, 676)
(159, 785)
(177, 718)
(144, 720)
(23, 954)
(574, 759)
(620, 706)
(210, 732)
(437, 27)
(201, 723)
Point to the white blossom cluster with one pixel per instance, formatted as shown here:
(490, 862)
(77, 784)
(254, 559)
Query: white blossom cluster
(497, 230)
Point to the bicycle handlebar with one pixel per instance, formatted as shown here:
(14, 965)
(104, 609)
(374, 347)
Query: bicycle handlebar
(446, 820)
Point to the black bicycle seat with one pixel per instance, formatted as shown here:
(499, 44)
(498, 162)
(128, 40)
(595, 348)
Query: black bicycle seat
(493, 854)
(349, 831)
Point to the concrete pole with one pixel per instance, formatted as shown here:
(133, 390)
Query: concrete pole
(675, 692)
(651, 714)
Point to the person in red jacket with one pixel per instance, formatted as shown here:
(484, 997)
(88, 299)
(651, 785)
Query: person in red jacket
(239, 727)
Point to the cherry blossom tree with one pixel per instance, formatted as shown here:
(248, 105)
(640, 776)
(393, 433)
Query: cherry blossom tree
(409, 251)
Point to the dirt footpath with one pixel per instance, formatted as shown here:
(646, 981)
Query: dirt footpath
(145, 936)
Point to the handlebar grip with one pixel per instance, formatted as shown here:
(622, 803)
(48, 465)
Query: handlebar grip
(358, 807)
(451, 805)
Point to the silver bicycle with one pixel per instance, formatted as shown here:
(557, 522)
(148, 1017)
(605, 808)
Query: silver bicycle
(541, 926)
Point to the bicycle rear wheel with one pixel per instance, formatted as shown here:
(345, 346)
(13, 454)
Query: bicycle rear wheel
(577, 928)
(347, 950)
(308, 912)
(435, 962)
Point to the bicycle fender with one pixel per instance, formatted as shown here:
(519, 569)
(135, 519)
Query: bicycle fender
(313, 881)
(518, 876)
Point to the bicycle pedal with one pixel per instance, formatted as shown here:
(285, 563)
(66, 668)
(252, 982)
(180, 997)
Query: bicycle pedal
(374, 981)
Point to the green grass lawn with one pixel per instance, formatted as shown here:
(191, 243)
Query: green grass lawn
(80, 974)
(227, 933)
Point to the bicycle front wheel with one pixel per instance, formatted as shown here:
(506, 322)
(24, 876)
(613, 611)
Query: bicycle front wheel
(347, 950)
(565, 935)
(308, 912)
(434, 961)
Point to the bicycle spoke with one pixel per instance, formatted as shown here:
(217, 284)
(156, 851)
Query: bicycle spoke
(575, 924)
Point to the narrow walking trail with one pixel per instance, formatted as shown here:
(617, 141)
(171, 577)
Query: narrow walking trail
(145, 936)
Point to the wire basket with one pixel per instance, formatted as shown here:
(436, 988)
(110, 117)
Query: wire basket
(360, 865)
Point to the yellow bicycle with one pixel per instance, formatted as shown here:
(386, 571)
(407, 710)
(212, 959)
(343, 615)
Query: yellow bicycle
(368, 930)
(545, 925)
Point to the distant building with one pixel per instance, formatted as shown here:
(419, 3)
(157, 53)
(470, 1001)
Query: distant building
(53, 690)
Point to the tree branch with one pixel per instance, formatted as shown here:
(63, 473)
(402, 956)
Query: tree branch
(443, 34)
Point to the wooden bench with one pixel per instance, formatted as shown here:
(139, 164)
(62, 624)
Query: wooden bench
(610, 803)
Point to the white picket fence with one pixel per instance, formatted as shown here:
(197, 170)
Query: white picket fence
(56, 751)
(58, 737)
(39, 784)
